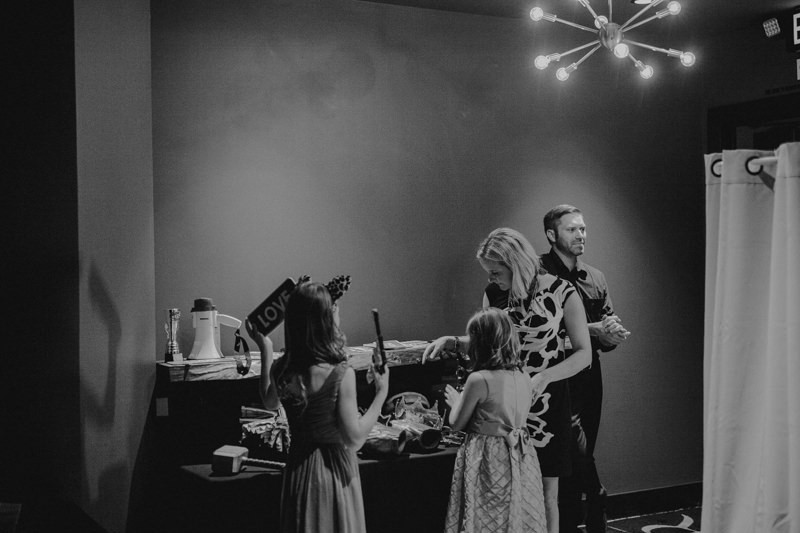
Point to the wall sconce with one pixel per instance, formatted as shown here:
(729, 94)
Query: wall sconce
(613, 37)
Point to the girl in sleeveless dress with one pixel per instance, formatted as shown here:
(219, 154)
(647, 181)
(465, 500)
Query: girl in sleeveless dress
(497, 484)
(321, 483)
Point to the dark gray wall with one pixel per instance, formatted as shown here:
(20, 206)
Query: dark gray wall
(116, 249)
(79, 272)
(385, 142)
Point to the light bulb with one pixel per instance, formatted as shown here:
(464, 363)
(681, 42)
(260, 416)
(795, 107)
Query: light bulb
(600, 21)
(687, 59)
(674, 7)
(646, 72)
(621, 50)
(562, 74)
(541, 62)
(537, 13)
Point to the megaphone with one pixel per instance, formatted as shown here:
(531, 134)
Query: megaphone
(206, 321)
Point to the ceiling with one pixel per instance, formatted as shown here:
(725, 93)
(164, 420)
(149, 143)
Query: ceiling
(711, 15)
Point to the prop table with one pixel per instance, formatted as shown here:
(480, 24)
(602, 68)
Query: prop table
(197, 407)
(198, 403)
(406, 493)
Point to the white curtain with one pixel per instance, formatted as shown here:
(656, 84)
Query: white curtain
(751, 450)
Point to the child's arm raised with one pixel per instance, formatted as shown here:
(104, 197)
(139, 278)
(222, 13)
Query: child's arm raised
(462, 405)
(269, 395)
(355, 428)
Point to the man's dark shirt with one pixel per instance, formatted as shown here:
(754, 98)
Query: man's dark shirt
(592, 287)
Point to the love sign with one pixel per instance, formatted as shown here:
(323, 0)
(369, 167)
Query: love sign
(269, 314)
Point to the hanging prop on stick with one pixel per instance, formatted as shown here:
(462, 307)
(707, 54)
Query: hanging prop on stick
(380, 365)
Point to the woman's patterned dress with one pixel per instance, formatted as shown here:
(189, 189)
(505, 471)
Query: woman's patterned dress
(539, 322)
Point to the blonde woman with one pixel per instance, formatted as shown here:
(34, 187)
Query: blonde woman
(544, 310)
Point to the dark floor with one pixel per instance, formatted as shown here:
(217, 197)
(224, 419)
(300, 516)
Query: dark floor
(667, 522)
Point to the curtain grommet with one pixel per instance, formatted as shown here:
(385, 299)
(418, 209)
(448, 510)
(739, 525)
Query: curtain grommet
(716, 168)
(748, 169)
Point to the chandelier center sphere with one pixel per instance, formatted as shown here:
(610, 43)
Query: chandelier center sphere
(610, 35)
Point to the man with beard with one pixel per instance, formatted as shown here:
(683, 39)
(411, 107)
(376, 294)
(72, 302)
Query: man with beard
(566, 232)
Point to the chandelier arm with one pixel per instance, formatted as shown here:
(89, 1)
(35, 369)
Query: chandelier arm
(586, 56)
(610, 11)
(639, 13)
(585, 3)
(580, 27)
(583, 46)
(669, 52)
(636, 62)
(641, 22)
(645, 71)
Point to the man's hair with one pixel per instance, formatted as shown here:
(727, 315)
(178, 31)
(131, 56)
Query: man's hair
(554, 215)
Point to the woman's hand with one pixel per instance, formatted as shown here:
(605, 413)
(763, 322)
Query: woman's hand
(451, 396)
(539, 383)
(432, 350)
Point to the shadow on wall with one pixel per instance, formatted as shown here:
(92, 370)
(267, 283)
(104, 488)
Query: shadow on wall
(99, 408)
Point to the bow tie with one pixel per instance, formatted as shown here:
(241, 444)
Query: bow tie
(576, 275)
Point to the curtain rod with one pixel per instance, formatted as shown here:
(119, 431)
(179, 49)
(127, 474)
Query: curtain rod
(758, 162)
(766, 160)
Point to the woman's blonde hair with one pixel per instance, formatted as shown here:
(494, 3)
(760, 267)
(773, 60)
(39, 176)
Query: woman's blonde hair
(512, 250)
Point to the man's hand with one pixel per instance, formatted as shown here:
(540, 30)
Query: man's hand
(610, 330)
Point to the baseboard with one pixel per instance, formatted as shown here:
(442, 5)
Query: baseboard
(654, 500)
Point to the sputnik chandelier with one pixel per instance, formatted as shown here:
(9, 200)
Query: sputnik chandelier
(612, 36)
